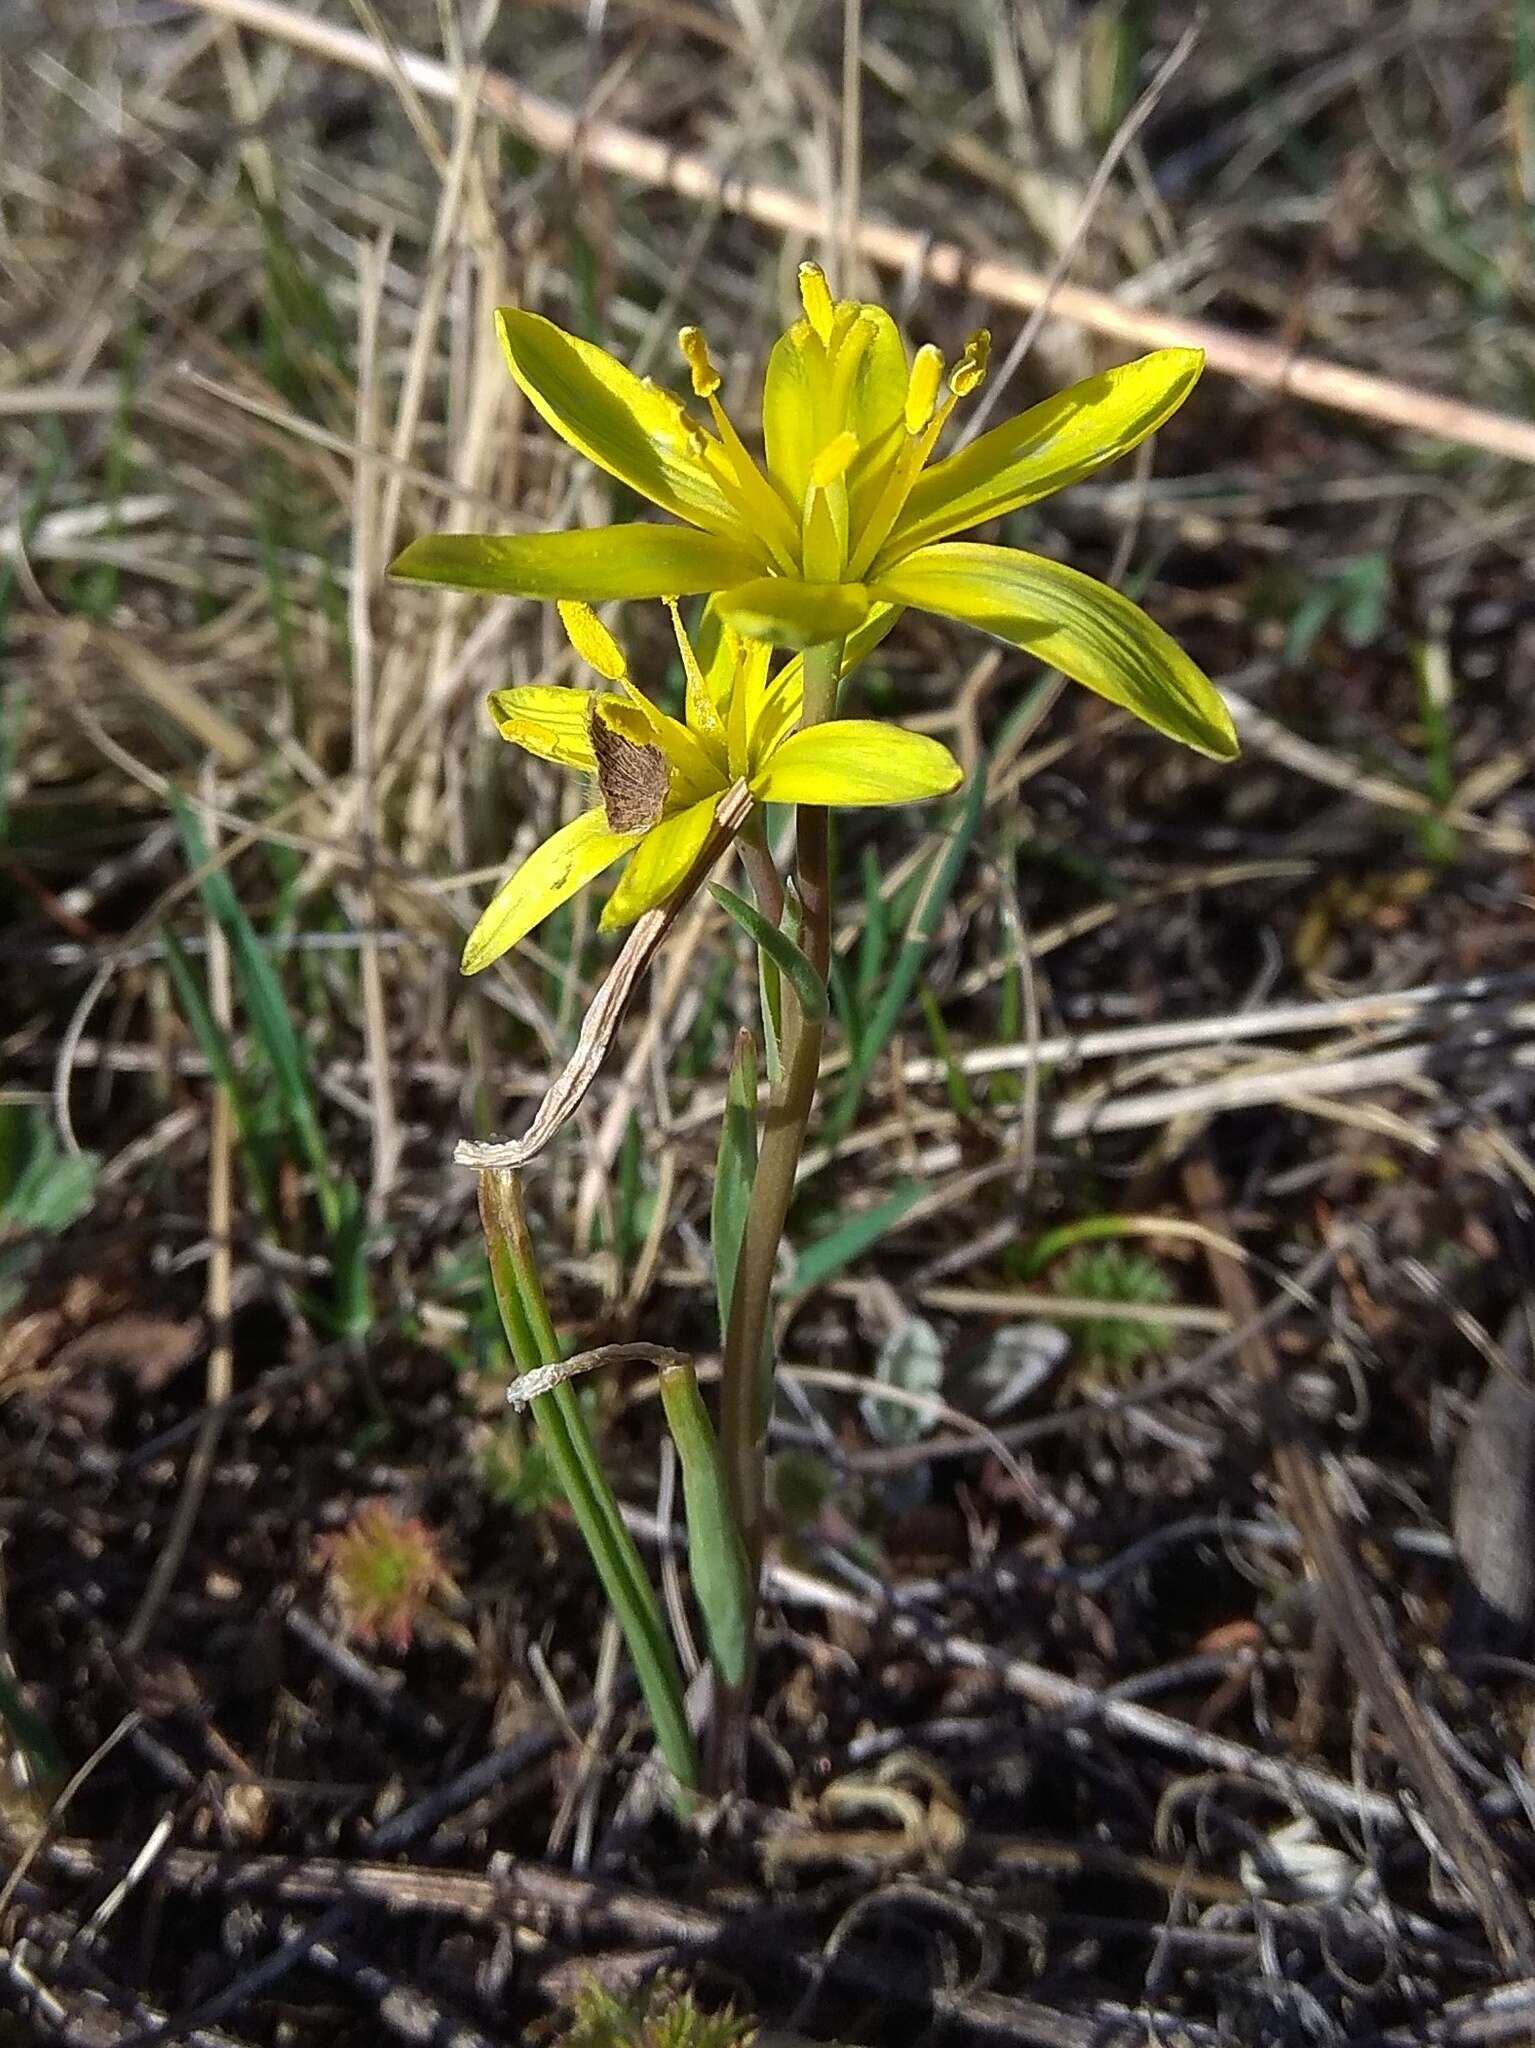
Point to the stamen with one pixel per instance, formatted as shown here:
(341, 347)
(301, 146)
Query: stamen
(969, 373)
(695, 350)
(922, 387)
(815, 297)
(751, 497)
(831, 465)
(592, 640)
(686, 433)
(703, 719)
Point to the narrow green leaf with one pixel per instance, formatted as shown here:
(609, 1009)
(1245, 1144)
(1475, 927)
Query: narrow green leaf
(780, 949)
(716, 1552)
(214, 1045)
(563, 1432)
(735, 1165)
(266, 1006)
(942, 875)
(844, 1002)
(875, 936)
(826, 1256)
(955, 1084)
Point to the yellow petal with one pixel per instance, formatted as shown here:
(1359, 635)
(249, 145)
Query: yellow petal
(547, 721)
(783, 700)
(1045, 449)
(631, 428)
(1074, 623)
(725, 655)
(789, 409)
(550, 876)
(592, 640)
(595, 564)
(795, 614)
(857, 761)
(878, 394)
(661, 863)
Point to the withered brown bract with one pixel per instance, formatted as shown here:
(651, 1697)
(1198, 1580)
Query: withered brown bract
(633, 778)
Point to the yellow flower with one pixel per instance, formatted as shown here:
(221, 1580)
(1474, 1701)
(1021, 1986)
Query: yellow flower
(847, 513)
(661, 781)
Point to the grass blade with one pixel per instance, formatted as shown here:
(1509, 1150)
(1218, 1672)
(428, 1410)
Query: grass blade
(563, 1432)
(734, 1168)
(266, 1007)
(825, 1257)
(936, 891)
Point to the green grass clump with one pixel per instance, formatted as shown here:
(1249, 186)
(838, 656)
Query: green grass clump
(663, 2015)
(1114, 1273)
(43, 1190)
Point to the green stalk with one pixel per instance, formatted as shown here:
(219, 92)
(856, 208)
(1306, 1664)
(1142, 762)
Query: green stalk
(716, 1557)
(746, 1393)
(767, 887)
(563, 1432)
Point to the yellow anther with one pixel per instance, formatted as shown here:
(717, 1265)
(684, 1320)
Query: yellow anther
(815, 297)
(592, 640)
(695, 350)
(922, 387)
(832, 462)
(969, 373)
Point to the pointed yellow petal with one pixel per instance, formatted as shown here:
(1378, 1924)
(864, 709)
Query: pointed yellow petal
(631, 428)
(1073, 623)
(878, 391)
(795, 614)
(550, 876)
(1047, 448)
(548, 721)
(661, 863)
(598, 563)
(857, 761)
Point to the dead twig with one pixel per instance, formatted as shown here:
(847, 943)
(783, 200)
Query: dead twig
(606, 1013)
(1462, 1841)
(559, 132)
(584, 1910)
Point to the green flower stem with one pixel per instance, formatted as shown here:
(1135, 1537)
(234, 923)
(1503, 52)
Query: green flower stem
(746, 1393)
(767, 887)
(563, 1432)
